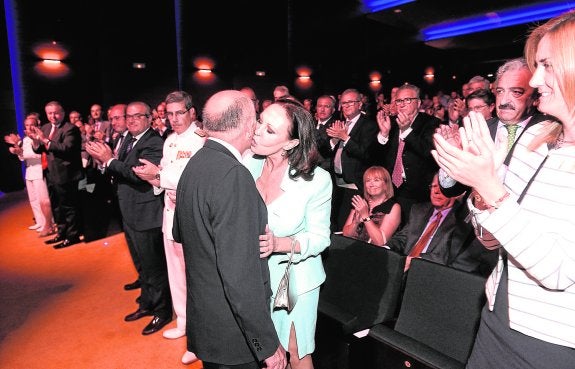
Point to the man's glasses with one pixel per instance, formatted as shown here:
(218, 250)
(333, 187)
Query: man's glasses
(407, 100)
(478, 107)
(137, 116)
(179, 113)
(348, 103)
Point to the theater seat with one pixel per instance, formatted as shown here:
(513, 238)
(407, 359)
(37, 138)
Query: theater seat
(437, 322)
(362, 289)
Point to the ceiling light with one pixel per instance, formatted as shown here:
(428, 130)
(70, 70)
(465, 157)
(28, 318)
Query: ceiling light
(378, 5)
(498, 19)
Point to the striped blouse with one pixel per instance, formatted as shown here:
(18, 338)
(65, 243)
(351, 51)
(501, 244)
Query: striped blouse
(539, 238)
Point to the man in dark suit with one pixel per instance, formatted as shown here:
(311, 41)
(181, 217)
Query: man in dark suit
(141, 213)
(514, 105)
(325, 109)
(102, 128)
(350, 141)
(62, 143)
(452, 243)
(219, 217)
(403, 147)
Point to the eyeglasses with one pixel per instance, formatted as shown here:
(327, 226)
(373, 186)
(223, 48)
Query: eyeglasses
(117, 117)
(348, 103)
(477, 108)
(178, 113)
(137, 116)
(407, 100)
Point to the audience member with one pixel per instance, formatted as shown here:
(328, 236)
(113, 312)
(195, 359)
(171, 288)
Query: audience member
(350, 141)
(403, 147)
(178, 149)
(218, 220)
(298, 198)
(34, 176)
(141, 213)
(280, 91)
(375, 217)
(527, 214)
(62, 143)
(252, 95)
(439, 231)
(477, 83)
(325, 109)
(102, 128)
(481, 101)
(265, 104)
(514, 101)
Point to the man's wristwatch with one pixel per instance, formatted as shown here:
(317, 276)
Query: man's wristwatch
(366, 219)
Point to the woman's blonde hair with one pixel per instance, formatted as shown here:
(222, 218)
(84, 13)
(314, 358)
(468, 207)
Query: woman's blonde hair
(560, 32)
(378, 172)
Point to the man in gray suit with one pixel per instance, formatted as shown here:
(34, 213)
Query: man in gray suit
(218, 219)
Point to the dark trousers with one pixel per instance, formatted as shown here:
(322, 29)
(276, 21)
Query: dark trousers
(147, 249)
(65, 205)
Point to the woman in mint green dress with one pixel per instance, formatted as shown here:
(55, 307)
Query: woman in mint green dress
(297, 193)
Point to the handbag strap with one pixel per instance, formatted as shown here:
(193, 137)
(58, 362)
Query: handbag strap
(293, 241)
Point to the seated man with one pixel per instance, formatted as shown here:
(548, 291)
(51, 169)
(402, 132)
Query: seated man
(440, 231)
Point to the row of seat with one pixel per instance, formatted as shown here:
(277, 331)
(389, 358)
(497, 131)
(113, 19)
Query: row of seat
(427, 319)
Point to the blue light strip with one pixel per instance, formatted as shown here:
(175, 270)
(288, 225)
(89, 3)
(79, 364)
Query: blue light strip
(499, 19)
(178, 20)
(14, 51)
(378, 5)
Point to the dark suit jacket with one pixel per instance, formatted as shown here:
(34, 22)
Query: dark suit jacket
(419, 165)
(454, 243)
(355, 155)
(141, 209)
(63, 154)
(219, 217)
(323, 145)
(459, 188)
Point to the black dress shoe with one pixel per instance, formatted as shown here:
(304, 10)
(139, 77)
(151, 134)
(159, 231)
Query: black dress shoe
(67, 242)
(54, 240)
(137, 315)
(133, 285)
(155, 325)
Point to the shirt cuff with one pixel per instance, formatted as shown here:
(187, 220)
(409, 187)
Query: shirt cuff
(381, 139)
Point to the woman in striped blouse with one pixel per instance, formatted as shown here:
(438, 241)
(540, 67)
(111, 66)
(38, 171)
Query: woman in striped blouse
(527, 210)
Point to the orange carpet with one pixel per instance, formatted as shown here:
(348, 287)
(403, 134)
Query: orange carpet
(65, 308)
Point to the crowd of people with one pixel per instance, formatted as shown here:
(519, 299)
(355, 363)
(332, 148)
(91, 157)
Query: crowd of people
(480, 182)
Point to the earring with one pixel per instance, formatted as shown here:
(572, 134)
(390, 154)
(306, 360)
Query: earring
(284, 153)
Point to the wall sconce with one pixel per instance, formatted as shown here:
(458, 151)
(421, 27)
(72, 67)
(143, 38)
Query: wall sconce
(52, 55)
(204, 74)
(139, 65)
(375, 81)
(303, 81)
(429, 75)
(260, 73)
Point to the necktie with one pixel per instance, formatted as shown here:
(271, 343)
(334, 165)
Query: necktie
(397, 174)
(130, 145)
(125, 149)
(337, 159)
(118, 145)
(511, 132)
(427, 234)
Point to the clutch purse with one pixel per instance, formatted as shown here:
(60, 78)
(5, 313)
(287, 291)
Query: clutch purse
(286, 295)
